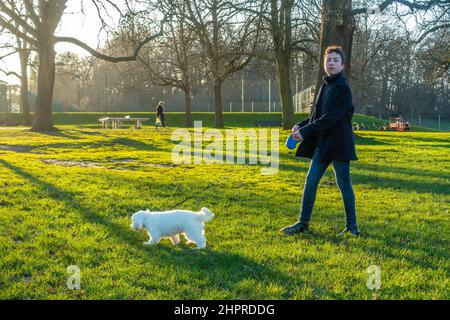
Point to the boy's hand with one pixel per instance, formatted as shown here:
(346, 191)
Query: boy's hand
(296, 134)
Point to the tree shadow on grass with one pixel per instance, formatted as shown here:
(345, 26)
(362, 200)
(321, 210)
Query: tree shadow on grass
(423, 245)
(60, 133)
(85, 132)
(421, 249)
(414, 248)
(440, 139)
(418, 185)
(418, 173)
(130, 143)
(16, 148)
(369, 141)
(219, 269)
(136, 144)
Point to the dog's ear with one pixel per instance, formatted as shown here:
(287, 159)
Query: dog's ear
(206, 211)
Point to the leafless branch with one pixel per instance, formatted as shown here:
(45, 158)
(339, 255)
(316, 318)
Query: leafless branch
(102, 56)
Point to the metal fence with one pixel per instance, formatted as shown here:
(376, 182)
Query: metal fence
(438, 123)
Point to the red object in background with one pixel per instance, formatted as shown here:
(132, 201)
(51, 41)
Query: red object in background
(399, 124)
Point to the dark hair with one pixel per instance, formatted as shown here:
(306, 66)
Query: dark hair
(336, 49)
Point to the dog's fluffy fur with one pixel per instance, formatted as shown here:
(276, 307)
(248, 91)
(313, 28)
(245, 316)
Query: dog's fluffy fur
(169, 224)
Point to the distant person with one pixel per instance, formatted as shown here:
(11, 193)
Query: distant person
(327, 137)
(160, 114)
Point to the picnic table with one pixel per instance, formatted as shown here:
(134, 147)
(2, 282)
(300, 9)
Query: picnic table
(116, 122)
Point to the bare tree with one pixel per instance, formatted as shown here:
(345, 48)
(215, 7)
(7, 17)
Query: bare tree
(338, 23)
(291, 27)
(228, 38)
(23, 48)
(392, 73)
(39, 31)
(282, 19)
(24, 54)
(74, 76)
(175, 61)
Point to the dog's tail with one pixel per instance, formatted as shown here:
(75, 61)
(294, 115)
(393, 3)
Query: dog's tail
(205, 215)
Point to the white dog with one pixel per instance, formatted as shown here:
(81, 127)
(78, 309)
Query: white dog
(169, 224)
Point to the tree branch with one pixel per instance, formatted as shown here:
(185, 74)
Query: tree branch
(11, 28)
(430, 31)
(8, 54)
(307, 51)
(30, 9)
(11, 73)
(14, 16)
(297, 42)
(385, 4)
(110, 58)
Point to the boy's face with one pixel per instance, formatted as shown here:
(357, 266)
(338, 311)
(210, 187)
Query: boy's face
(333, 64)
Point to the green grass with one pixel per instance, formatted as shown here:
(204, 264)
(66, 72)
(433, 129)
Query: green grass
(53, 216)
(176, 119)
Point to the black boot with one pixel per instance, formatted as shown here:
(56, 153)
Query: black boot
(354, 232)
(298, 227)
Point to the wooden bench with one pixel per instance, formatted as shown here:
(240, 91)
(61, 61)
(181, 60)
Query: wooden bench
(116, 122)
(268, 123)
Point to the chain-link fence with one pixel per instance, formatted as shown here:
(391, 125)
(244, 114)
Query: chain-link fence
(438, 123)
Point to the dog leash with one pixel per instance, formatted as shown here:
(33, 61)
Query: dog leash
(207, 187)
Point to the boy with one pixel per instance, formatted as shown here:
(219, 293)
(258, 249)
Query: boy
(327, 137)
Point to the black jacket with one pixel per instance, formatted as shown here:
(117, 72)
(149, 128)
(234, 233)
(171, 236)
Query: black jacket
(160, 111)
(332, 131)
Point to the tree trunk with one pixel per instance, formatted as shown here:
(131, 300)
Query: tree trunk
(79, 96)
(46, 80)
(218, 103)
(337, 28)
(24, 101)
(384, 93)
(284, 85)
(187, 107)
(281, 30)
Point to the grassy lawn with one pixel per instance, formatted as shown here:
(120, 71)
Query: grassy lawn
(67, 198)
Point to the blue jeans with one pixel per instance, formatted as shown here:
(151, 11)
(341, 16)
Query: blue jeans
(342, 174)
